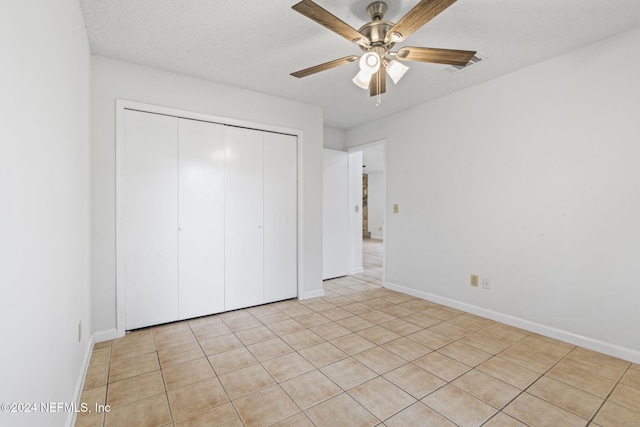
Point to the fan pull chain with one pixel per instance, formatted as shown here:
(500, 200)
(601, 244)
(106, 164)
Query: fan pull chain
(379, 101)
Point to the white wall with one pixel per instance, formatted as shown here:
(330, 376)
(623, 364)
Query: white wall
(113, 79)
(531, 180)
(44, 188)
(333, 138)
(375, 204)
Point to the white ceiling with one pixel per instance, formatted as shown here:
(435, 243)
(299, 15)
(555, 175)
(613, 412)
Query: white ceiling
(256, 44)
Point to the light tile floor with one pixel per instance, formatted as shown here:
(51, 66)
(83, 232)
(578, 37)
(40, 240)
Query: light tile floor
(360, 356)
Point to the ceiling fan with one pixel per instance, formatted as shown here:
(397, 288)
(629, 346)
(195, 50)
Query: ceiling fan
(376, 39)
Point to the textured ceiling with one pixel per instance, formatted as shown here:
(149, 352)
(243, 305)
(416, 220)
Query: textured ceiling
(256, 44)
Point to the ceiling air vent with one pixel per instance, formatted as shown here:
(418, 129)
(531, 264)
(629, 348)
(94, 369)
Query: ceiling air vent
(457, 68)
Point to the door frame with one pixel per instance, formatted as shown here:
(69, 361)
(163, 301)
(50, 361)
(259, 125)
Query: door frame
(121, 106)
(353, 243)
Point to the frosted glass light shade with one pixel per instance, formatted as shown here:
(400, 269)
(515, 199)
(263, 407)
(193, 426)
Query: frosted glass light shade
(362, 80)
(370, 63)
(396, 70)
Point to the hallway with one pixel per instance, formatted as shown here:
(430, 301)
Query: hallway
(372, 261)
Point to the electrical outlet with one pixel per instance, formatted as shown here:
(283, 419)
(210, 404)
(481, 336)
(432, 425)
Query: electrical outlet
(486, 283)
(474, 280)
(395, 208)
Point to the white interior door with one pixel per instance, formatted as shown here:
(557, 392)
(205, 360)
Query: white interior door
(200, 218)
(355, 212)
(150, 235)
(280, 217)
(335, 204)
(244, 284)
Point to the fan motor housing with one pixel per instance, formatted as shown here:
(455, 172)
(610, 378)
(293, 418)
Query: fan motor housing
(376, 31)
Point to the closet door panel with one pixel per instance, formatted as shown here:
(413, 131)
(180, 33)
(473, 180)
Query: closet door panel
(243, 218)
(200, 218)
(150, 237)
(280, 217)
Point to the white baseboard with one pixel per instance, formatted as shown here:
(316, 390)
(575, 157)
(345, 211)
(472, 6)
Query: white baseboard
(77, 393)
(313, 294)
(579, 340)
(95, 338)
(357, 270)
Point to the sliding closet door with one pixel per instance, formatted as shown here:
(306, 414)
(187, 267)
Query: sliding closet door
(244, 285)
(200, 218)
(280, 217)
(149, 232)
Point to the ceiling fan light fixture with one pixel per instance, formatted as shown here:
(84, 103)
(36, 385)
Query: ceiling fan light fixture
(370, 63)
(396, 70)
(362, 80)
(376, 38)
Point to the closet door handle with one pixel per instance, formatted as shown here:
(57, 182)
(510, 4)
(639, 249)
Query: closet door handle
(180, 228)
(259, 226)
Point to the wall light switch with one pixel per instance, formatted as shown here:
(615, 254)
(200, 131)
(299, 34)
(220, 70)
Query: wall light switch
(357, 208)
(395, 208)
(486, 283)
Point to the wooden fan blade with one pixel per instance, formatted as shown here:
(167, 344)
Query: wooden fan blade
(378, 82)
(421, 13)
(326, 66)
(438, 56)
(328, 20)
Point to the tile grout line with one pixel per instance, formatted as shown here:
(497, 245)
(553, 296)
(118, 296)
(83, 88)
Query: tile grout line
(606, 399)
(363, 301)
(166, 391)
(216, 376)
(590, 420)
